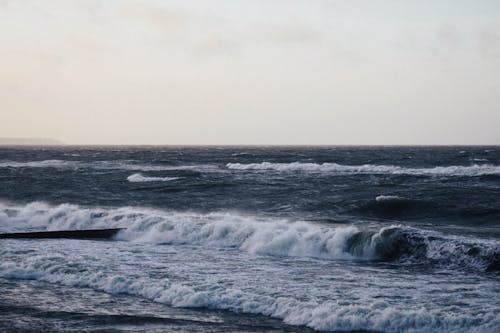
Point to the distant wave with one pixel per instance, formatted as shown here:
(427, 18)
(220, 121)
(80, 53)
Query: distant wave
(139, 178)
(473, 170)
(409, 208)
(127, 165)
(39, 164)
(104, 165)
(392, 206)
(270, 237)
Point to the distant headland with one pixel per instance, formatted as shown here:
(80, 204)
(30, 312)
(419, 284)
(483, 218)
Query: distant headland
(30, 142)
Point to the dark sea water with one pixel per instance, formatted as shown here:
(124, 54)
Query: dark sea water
(252, 239)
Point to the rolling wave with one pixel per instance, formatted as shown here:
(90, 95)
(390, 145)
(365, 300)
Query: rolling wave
(281, 238)
(472, 170)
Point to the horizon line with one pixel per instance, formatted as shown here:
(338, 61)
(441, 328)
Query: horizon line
(63, 144)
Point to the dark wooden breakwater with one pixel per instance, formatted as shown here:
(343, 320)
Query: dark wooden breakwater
(75, 234)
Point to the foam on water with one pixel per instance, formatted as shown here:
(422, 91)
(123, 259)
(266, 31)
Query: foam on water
(473, 170)
(75, 270)
(328, 315)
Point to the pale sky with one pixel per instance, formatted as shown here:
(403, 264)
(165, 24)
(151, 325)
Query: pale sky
(250, 71)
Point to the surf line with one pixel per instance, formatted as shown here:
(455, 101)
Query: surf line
(73, 234)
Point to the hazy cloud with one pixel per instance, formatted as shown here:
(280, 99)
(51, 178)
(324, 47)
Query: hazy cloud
(125, 71)
(489, 43)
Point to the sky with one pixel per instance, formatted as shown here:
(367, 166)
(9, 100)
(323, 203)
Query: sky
(331, 72)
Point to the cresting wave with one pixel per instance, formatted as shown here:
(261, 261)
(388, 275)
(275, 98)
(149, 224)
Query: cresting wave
(399, 244)
(139, 178)
(472, 170)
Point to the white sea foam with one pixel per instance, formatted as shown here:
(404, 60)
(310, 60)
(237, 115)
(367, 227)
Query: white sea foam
(472, 170)
(317, 314)
(139, 178)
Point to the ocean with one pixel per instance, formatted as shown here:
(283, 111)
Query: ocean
(252, 239)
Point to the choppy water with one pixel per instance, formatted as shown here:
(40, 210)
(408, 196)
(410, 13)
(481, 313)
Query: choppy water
(252, 239)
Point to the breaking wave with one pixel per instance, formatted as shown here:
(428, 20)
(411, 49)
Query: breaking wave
(139, 178)
(473, 170)
(398, 244)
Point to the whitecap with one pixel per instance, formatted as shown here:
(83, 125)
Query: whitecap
(139, 178)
